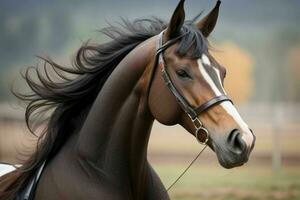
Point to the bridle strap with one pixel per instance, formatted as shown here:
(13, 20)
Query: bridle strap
(190, 110)
(179, 98)
(160, 47)
(212, 102)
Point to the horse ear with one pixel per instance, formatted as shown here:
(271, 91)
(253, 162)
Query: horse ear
(176, 21)
(207, 24)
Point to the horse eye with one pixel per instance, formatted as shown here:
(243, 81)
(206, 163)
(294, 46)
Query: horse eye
(182, 73)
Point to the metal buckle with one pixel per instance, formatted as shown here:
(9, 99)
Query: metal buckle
(206, 133)
(199, 126)
(197, 123)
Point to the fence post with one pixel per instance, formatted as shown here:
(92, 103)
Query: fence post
(277, 128)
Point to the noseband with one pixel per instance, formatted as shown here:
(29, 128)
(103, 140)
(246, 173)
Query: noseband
(191, 111)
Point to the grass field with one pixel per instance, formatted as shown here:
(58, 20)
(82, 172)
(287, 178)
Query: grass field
(172, 148)
(245, 183)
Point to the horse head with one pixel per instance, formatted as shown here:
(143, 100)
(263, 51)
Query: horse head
(187, 88)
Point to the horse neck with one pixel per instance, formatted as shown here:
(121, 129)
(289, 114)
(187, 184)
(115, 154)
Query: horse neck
(116, 131)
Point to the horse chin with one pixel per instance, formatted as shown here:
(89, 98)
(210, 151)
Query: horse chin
(230, 165)
(227, 159)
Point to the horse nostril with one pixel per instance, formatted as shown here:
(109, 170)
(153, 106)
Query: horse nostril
(235, 141)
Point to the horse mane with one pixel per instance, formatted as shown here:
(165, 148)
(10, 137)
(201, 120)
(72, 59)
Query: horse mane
(67, 93)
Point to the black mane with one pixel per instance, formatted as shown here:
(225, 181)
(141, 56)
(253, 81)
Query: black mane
(193, 43)
(68, 92)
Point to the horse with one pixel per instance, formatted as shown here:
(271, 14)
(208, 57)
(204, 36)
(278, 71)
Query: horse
(102, 109)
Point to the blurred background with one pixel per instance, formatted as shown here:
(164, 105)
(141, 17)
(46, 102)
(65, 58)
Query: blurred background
(258, 41)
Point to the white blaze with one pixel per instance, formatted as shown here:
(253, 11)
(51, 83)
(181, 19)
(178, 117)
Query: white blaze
(205, 60)
(219, 78)
(206, 76)
(228, 106)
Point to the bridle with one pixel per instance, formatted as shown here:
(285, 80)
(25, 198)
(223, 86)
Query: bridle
(185, 105)
(191, 111)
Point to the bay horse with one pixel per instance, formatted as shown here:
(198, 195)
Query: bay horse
(95, 143)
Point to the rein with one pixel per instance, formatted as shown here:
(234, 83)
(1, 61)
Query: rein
(191, 111)
(187, 168)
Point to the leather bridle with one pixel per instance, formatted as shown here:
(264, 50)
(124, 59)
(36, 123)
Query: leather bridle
(191, 111)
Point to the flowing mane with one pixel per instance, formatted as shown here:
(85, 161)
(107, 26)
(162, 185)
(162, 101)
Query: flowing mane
(71, 98)
(67, 93)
